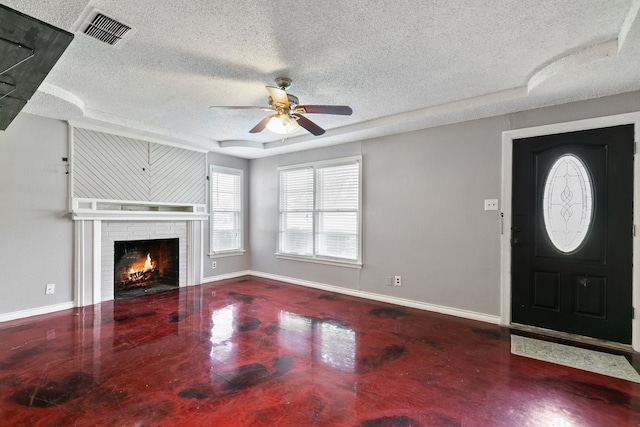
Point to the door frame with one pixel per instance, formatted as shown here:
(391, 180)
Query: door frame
(508, 138)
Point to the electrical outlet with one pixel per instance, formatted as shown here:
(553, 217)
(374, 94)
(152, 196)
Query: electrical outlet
(490, 204)
(51, 288)
(214, 264)
(389, 281)
(398, 281)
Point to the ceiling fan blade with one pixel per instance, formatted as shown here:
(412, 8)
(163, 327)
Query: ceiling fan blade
(263, 124)
(309, 125)
(342, 110)
(240, 107)
(278, 96)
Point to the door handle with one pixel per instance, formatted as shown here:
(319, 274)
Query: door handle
(516, 242)
(516, 229)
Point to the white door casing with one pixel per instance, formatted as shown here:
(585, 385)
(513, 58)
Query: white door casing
(508, 138)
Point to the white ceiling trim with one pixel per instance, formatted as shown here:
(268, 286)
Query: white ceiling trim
(62, 94)
(631, 25)
(572, 61)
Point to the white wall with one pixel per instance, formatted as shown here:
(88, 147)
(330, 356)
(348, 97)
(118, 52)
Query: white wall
(36, 232)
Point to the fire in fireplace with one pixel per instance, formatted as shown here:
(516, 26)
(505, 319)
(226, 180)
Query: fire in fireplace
(144, 266)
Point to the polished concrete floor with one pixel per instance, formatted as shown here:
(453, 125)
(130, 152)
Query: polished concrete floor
(255, 352)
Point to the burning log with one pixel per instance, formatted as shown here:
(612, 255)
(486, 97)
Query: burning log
(139, 275)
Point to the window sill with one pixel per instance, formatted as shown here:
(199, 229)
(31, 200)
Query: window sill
(335, 263)
(226, 254)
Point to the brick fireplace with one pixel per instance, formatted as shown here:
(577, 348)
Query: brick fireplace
(123, 188)
(95, 252)
(139, 231)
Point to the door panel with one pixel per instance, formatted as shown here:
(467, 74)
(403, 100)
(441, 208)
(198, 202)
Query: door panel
(590, 296)
(546, 290)
(567, 276)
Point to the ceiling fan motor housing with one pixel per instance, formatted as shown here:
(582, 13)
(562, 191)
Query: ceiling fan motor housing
(283, 82)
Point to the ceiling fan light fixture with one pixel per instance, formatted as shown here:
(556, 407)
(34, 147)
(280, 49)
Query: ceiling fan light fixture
(283, 124)
(288, 115)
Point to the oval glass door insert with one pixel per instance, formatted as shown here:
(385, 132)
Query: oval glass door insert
(568, 203)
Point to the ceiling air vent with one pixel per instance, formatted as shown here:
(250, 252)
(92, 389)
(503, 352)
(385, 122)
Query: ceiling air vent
(106, 29)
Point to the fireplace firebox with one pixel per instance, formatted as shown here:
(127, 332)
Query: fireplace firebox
(145, 266)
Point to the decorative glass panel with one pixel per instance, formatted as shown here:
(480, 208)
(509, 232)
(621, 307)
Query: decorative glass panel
(568, 203)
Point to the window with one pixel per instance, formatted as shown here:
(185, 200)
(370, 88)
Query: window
(225, 223)
(319, 211)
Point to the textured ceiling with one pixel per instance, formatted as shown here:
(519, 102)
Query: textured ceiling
(400, 65)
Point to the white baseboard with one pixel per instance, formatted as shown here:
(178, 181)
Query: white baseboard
(225, 276)
(482, 317)
(36, 311)
(330, 288)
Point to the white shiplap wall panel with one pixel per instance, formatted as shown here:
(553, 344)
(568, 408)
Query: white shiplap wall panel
(109, 167)
(177, 175)
(114, 167)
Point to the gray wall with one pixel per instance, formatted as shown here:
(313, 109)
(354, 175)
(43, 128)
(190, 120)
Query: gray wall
(264, 220)
(423, 217)
(607, 106)
(423, 207)
(36, 232)
(228, 264)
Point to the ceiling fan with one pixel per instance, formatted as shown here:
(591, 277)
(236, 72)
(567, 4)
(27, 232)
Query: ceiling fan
(287, 115)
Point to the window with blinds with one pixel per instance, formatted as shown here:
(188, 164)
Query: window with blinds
(225, 223)
(319, 210)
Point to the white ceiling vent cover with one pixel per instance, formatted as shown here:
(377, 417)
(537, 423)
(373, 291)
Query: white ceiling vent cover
(106, 29)
(100, 26)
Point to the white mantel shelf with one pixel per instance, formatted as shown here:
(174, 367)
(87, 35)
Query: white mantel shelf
(139, 216)
(118, 210)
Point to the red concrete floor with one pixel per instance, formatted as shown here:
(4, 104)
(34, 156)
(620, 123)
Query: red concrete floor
(254, 352)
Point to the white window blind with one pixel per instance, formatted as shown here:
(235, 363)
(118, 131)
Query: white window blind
(296, 211)
(320, 210)
(337, 200)
(226, 210)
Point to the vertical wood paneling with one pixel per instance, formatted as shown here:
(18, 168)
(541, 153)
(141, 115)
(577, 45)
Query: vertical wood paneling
(177, 175)
(109, 167)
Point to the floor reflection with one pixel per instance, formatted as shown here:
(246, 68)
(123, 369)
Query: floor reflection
(337, 346)
(329, 341)
(222, 329)
(552, 412)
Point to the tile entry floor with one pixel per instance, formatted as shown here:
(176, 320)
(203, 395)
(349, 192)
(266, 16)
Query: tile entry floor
(256, 352)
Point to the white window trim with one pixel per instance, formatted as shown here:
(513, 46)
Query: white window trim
(320, 259)
(317, 260)
(233, 252)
